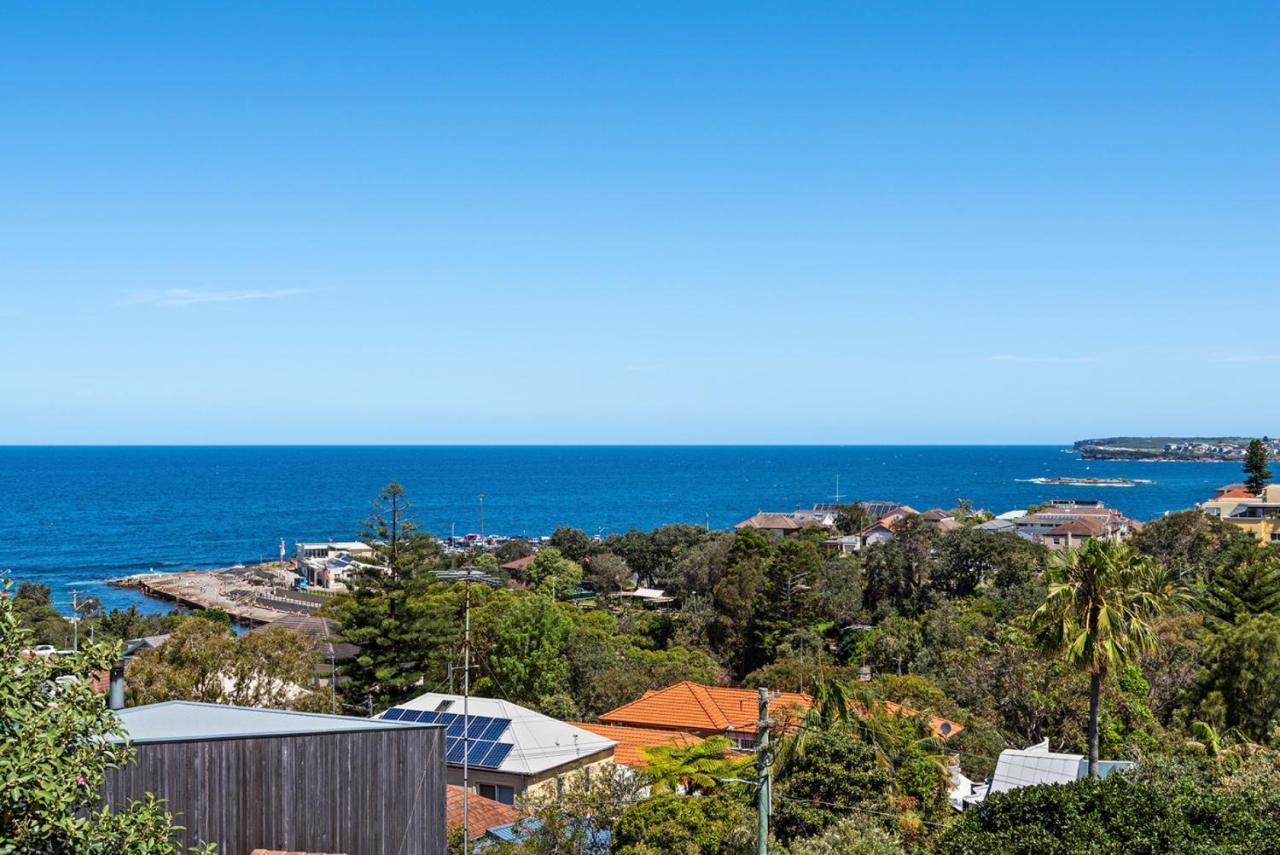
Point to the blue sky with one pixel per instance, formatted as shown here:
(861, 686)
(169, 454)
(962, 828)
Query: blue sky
(845, 223)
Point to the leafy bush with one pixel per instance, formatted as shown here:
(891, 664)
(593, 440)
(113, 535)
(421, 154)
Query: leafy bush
(1113, 816)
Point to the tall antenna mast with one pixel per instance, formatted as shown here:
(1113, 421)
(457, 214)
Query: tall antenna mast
(482, 517)
(837, 489)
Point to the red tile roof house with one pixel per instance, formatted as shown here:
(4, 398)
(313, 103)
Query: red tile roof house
(482, 813)
(721, 711)
(783, 524)
(633, 742)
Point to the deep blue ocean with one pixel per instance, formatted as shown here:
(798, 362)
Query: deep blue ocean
(73, 517)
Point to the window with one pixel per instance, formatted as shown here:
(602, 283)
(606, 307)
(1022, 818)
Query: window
(1275, 537)
(498, 793)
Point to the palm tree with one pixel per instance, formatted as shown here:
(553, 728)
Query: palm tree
(1098, 611)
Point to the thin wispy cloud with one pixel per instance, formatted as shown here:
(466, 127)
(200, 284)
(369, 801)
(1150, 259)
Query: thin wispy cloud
(1249, 358)
(193, 297)
(1042, 360)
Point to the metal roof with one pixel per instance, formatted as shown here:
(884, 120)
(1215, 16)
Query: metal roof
(1039, 765)
(184, 721)
(539, 743)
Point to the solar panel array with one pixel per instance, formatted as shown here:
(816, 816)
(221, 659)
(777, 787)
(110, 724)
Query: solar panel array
(482, 746)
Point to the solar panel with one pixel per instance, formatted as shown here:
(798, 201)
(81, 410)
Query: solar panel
(445, 719)
(481, 752)
(394, 714)
(429, 716)
(495, 728)
(496, 755)
(455, 726)
(477, 724)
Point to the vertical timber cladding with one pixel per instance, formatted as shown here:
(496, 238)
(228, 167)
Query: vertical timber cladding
(359, 792)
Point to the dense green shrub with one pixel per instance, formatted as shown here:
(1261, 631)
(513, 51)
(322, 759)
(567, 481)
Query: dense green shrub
(1113, 816)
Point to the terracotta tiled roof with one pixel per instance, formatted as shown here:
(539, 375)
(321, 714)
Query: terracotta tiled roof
(1082, 527)
(692, 706)
(942, 728)
(716, 709)
(779, 522)
(482, 813)
(1237, 494)
(632, 741)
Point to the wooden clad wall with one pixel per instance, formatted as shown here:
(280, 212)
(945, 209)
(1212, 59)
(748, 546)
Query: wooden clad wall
(355, 792)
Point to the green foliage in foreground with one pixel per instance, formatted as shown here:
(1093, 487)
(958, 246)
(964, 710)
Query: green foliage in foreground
(1113, 816)
(685, 825)
(54, 757)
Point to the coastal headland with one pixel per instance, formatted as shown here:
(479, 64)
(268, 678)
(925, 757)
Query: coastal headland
(1228, 449)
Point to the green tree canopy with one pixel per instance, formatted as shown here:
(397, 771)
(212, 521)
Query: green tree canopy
(1112, 817)
(573, 543)
(1240, 686)
(528, 660)
(203, 661)
(553, 574)
(55, 753)
(682, 825)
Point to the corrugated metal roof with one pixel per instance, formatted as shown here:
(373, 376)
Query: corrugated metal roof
(181, 721)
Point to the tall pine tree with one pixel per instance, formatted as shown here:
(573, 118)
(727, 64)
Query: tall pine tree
(405, 632)
(1255, 466)
(1247, 583)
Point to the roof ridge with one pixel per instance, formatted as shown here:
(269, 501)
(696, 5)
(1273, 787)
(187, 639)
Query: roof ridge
(709, 705)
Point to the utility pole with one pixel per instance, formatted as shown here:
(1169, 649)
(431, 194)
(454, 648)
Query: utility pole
(75, 622)
(763, 794)
(466, 701)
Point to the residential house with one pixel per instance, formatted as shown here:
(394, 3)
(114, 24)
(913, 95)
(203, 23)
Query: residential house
(519, 567)
(998, 526)
(781, 524)
(1256, 513)
(513, 751)
(1055, 526)
(822, 515)
(882, 529)
(246, 778)
(633, 742)
(723, 711)
(1028, 767)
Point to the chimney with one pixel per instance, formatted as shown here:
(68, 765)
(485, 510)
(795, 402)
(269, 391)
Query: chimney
(115, 689)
